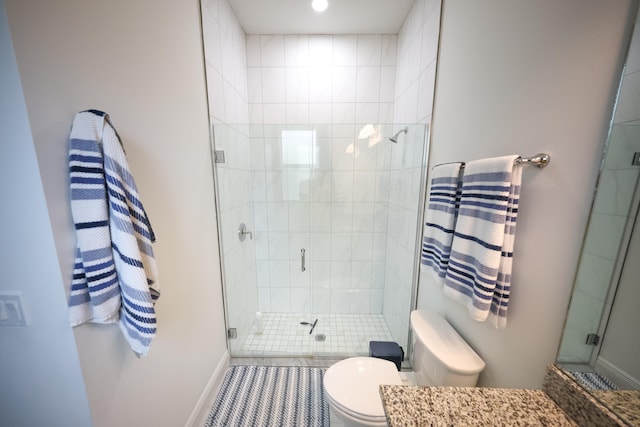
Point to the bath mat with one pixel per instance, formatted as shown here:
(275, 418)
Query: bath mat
(594, 381)
(270, 396)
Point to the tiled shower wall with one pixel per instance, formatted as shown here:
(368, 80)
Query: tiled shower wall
(611, 210)
(334, 203)
(226, 65)
(415, 82)
(302, 79)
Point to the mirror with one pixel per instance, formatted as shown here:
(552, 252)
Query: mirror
(601, 339)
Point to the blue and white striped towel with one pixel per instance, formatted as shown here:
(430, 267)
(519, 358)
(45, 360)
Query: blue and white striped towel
(115, 274)
(479, 273)
(95, 294)
(440, 219)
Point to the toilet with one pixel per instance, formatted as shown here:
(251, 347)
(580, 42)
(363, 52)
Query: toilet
(440, 358)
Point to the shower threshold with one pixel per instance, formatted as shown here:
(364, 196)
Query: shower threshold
(345, 335)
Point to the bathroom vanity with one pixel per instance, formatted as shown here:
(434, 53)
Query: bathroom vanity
(469, 406)
(562, 402)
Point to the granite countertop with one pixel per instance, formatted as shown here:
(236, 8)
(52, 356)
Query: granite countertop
(464, 406)
(590, 407)
(624, 403)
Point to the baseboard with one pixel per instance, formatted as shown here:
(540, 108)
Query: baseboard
(619, 377)
(201, 410)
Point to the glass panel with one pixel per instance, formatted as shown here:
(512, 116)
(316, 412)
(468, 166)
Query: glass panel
(605, 240)
(333, 211)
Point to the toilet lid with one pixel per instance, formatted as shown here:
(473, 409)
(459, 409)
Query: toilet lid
(354, 384)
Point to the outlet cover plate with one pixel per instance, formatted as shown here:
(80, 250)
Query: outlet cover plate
(12, 312)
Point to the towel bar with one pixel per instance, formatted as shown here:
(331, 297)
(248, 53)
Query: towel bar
(540, 160)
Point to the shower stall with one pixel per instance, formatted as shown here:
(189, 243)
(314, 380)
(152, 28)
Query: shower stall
(319, 229)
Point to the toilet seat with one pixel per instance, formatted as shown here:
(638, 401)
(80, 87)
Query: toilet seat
(352, 385)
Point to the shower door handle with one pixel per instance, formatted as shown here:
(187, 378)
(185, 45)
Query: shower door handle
(243, 232)
(302, 259)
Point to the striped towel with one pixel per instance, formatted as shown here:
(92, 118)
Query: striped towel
(479, 273)
(440, 218)
(115, 275)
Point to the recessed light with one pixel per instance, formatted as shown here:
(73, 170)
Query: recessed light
(319, 5)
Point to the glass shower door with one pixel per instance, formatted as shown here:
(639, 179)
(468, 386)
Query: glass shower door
(333, 211)
(232, 169)
(282, 158)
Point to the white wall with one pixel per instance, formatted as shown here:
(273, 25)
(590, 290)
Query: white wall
(525, 77)
(40, 377)
(142, 63)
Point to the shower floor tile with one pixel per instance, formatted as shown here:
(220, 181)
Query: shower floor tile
(345, 335)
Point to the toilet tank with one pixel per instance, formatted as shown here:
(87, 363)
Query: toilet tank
(440, 356)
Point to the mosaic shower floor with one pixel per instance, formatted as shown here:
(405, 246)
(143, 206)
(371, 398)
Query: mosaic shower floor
(345, 335)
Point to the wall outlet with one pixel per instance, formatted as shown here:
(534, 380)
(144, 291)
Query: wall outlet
(12, 311)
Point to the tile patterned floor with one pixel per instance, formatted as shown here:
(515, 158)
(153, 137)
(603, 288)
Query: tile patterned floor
(346, 335)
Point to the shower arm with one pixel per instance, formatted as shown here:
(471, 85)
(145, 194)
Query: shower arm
(394, 138)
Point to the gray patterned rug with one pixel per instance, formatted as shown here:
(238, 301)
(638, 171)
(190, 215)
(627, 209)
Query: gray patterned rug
(594, 380)
(270, 396)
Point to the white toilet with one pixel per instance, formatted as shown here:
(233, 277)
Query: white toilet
(440, 358)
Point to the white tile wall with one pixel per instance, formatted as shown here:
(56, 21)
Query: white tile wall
(226, 69)
(321, 78)
(339, 80)
(413, 103)
(340, 216)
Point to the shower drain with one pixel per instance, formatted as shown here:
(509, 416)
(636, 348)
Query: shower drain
(321, 337)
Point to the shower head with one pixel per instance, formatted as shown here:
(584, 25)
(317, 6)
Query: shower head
(394, 138)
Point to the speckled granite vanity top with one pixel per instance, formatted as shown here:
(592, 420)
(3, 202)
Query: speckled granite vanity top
(461, 406)
(624, 403)
(592, 408)
(562, 403)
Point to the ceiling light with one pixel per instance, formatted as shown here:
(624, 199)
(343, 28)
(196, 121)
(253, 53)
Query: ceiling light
(319, 5)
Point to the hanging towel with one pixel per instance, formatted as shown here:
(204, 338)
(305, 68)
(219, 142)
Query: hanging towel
(479, 271)
(95, 294)
(115, 276)
(440, 219)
